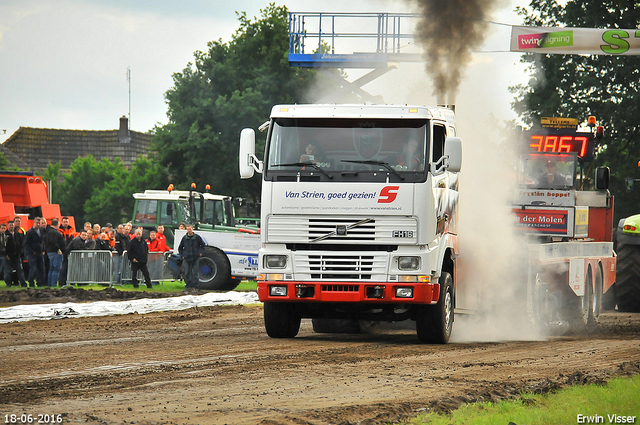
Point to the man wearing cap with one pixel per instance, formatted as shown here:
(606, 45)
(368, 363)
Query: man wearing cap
(550, 177)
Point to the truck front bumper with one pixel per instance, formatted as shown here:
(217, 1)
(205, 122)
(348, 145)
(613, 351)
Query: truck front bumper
(349, 292)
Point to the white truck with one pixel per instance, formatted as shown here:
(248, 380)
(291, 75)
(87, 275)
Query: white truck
(359, 217)
(232, 249)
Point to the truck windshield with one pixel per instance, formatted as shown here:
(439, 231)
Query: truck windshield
(348, 149)
(185, 212)
(547, 171)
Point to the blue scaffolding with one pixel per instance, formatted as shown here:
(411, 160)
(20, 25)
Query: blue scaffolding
(383, 33)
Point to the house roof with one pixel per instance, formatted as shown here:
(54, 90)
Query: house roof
(35, 148)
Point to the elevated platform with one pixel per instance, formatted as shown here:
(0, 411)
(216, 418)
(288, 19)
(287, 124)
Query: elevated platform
(323, 40)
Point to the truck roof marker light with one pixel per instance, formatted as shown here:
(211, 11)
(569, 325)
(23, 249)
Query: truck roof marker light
(284, 109)
(413, 110)
(599, 132)
(193, 185)
(207, 187)
(592, 121)
(170, 188)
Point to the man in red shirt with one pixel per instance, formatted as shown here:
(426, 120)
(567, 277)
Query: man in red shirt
(157, 249)
(162, 238)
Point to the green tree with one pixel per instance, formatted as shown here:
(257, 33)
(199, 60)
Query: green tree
(114, 202)
(231, 86)
(85, 179)
(102, 191)
(6, 165)
(579, 86)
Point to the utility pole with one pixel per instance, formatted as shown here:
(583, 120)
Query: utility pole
(129, 80)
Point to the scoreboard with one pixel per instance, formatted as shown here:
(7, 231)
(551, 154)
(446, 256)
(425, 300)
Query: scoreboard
(551, 141)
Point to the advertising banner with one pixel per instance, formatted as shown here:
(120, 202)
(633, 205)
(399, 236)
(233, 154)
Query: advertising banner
(553, 222)
(564, 198)
(368, 198)
(578, 41)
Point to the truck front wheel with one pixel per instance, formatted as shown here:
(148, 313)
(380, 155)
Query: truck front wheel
(214, 270)
(435, 322)
(281, 320)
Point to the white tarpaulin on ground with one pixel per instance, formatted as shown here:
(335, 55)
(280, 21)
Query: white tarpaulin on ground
(109, 308)
(577, 41)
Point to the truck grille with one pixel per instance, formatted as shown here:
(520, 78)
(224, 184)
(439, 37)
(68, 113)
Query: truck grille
(381, 230)
(341, 265)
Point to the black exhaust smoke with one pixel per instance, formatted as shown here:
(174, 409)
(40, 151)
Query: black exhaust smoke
(450, 30)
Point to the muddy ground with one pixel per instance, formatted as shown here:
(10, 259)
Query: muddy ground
(216, 365)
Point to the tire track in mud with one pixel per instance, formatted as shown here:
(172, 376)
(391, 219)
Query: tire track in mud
(216, 365)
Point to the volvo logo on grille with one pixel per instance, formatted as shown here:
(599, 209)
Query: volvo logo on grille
(341, 230)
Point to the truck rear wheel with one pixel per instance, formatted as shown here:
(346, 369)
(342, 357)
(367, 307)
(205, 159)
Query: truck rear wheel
(214, 270)
(281, 320)
(597, 294)
(435, 322)
(581, 308)
(628, 278)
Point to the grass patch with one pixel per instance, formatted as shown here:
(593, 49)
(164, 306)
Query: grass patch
(598, 402)
(167, 286)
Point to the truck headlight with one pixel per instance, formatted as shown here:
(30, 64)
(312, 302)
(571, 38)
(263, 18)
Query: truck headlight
(408, 263)
(278, 291)
(402, 292)
(275, 261)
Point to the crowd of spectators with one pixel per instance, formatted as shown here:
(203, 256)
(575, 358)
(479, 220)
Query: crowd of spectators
(40, 255)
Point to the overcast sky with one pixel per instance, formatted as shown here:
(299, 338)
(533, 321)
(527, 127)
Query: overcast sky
(63, 63)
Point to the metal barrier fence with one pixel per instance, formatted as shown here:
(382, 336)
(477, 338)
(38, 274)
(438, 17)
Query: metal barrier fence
(97, 267)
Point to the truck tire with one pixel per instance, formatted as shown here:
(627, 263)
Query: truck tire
(435, 322)
(598, 285)
(580, 313)
(336, 326)
(214, 270)
(609, 298)
(628, 278)
(281, 320)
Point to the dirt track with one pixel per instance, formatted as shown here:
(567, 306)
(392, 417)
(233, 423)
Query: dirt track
(217, 365)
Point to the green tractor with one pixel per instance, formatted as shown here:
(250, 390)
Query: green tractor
(627, 247)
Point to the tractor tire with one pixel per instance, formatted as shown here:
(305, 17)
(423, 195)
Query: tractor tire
(435, 322)
(627, 287)
(281, 320)
(214, 270)
(336, 326)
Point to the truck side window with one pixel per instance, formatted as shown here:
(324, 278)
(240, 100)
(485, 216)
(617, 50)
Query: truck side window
(168, 213)
(439, 134)
(147, 211)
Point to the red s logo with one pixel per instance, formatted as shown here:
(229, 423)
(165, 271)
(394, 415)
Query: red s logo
(388, 194)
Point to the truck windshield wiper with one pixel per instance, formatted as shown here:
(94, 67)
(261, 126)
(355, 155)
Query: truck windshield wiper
(381, 163)
(303, 164)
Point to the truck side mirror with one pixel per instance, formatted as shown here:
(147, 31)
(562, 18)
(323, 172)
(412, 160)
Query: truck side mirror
(247, 161)
(453, 150)
(602, 178)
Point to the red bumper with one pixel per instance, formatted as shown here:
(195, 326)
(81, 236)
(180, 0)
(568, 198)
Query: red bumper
(350, 292)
